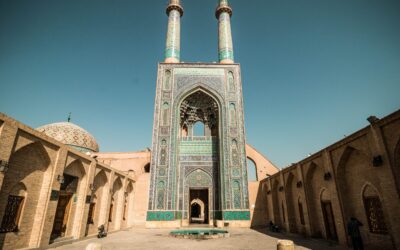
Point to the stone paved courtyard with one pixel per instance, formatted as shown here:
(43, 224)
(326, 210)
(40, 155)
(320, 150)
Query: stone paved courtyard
(140, 238)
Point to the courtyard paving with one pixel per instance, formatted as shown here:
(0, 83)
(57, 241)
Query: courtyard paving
(141, 238)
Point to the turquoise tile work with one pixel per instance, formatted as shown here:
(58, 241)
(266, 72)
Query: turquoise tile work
(236, 215)
(160, 215)
(206, 147)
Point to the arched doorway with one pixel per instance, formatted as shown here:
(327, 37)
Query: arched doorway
(198, 206)
(198, 156)
(98, 204)
(329, 218)
(70, 187)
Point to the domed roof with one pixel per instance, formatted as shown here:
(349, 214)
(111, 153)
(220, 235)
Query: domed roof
(72, 135)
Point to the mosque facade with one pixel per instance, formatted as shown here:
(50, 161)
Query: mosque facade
(203, 171)
(57, 186)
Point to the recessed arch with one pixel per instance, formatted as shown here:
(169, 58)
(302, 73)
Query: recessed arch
(373, 209)
(146, 168)
(396, 168)
(29, 166)
(276, 203)
(199, 115)
(251, 169)
(291, 193)
(76, 168)
(313, 183)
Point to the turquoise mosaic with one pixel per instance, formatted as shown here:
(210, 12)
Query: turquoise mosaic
(160, 216)
(236, 215)
(201, 148)
(226, 54)
(172, 52)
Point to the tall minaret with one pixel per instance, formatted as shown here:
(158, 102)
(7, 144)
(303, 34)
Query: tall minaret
(173, 44)
(225, 45)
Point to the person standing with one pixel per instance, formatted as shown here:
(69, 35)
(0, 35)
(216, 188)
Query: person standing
(353, 230)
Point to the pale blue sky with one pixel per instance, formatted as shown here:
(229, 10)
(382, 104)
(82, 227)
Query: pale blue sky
(313, 70)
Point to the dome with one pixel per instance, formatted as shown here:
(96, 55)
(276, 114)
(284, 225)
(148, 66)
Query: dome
(72, 135)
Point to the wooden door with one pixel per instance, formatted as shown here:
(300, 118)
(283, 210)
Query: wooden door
(329, 220)
(61, 216)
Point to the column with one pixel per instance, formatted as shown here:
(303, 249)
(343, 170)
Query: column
(173, 44)
(225, 45)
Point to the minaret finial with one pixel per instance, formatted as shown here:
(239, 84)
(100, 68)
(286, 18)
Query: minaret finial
(173, 46)
(225, 44)
(69, 117)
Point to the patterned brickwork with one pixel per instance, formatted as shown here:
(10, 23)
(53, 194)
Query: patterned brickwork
(71, 134)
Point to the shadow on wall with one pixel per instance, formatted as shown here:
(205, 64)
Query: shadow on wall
(259, 218)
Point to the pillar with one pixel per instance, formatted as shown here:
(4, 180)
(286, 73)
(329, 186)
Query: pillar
(172, 47)
(225, 45)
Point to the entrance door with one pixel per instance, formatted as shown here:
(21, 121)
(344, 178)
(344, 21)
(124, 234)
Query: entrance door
(61, 216)
(198, 207)
(329, 220)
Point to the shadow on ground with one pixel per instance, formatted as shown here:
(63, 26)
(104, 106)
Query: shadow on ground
(299, 240)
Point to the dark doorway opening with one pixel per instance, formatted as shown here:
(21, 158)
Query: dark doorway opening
(61, 217)
(68, 188)
(329, 220)
(198, 207)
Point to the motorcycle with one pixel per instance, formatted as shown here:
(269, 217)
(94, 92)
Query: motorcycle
(102, 232)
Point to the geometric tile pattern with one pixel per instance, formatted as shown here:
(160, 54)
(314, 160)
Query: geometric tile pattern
(236, 215)
(70, 134)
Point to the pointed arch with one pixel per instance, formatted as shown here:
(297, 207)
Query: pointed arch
(276, 203)
(352, 163)
(146, 168)
(251, 169)
(291, 194)
(396, 168)
(128, 203)
(29, 166)
(76, 169)
(99, 201)
(374, 209)
(116, 206)
(313, 183)
(301, 210)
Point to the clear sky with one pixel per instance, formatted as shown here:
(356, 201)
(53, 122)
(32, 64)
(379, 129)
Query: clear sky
(313, 70)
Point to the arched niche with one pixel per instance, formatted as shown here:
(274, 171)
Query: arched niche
(99, 201)
(354, 162)
(396, 169)
(71, 200)
(328, 215)
(314, 182)
(251, 170)
(116, 206)
(291, 194)
(276, 203)
(29, 166)
(128, 203)
(146, 168)
(374, 210)
(199, 106)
